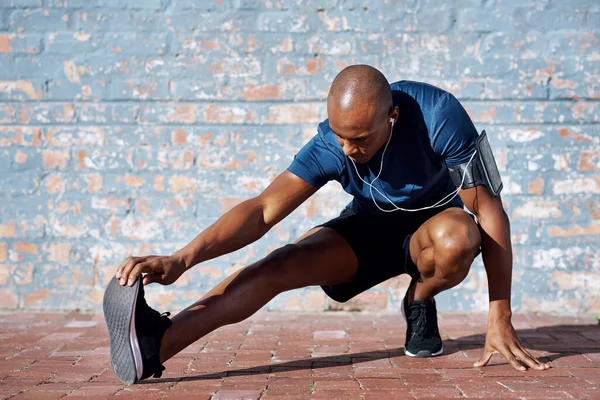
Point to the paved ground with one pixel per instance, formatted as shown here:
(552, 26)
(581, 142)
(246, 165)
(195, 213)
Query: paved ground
(292, 356)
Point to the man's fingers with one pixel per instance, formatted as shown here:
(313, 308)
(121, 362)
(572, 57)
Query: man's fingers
(512, 359)
(528, 359)
(125, 269)
(149, 278)
(540, 364)
(137, 271)
(485, 358)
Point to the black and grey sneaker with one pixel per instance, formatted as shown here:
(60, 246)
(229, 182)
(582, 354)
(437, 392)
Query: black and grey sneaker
(422, 334)
(135, 331)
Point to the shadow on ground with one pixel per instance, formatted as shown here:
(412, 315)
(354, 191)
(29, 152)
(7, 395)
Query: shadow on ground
(560, 340)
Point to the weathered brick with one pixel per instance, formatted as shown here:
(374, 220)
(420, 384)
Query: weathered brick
(107, 113)
(229, 21)
(41, 66)
(55, 183)
(501, 18)
(536, 187)
(58, 252)
(3, 252)
(237, 67)
(575, 230)
(166, 113)
(578, 185)
(223, 5)
(286, 21)
(22, 274)
(558, 18)
(235, 43)
(28, 43)
(53, 159)
(102, 159)
(136, 89)
(106, 4)
(300, 66)
(100, 20)
(71, 42)
(295, 114)
(8, 298)
(151, 159)
(46, 113)
(221, 114)
(532, 112)
(68, 136)
(5, 46)
(7, 114)
(19, 182)
(589, 161)
(138, 44)
(21, 90)
(20, 136)
(40, 19)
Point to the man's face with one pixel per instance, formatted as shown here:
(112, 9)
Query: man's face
(362, 131)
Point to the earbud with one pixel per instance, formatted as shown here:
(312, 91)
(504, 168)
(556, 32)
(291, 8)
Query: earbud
(392, 121)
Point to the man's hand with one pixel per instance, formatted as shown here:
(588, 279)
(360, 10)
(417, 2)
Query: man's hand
(162, 269)
(502, 338)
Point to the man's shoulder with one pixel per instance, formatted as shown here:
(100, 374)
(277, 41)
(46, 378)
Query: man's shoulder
(420, 91)
(324, 141)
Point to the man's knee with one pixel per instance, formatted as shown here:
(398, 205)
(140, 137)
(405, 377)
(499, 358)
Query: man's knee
(455, 246)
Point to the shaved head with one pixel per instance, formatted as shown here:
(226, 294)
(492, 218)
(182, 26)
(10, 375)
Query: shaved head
(358, 86)
(361, 111)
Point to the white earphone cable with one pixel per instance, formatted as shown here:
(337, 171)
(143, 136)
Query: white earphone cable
(396, 208)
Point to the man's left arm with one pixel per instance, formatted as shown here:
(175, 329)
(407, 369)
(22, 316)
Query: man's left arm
(496, 251)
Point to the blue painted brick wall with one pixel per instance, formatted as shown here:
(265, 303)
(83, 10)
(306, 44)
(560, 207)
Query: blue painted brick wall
(127, 127)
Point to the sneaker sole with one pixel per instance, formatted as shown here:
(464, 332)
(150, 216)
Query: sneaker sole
(119, 306)
(424, 353)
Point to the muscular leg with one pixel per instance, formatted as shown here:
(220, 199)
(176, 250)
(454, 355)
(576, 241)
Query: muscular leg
(443, 249)
(321, 257)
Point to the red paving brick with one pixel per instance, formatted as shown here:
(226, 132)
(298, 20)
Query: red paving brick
(300, 356)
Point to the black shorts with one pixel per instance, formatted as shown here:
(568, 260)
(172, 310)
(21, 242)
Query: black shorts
(381, 246)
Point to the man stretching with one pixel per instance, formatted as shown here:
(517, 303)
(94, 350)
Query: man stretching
(410, 156)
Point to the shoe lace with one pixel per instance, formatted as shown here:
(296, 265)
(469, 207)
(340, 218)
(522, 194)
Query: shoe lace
(421, 324)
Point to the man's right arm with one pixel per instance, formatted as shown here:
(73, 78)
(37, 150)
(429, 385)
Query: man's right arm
(248, 221)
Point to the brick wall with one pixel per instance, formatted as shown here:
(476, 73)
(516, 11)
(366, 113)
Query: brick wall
(126, 127)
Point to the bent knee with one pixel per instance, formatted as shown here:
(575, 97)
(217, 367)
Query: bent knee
(456, 242)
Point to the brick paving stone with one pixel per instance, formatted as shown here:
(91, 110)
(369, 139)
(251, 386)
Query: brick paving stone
(388, 394)
(374, 383)
(590, 375)
(582, 394)
(275, 396)
(38, 394)
(439, 390)
(289, 355)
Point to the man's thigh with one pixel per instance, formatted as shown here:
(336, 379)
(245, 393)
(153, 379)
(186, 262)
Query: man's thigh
(380, 246)
(319, 257)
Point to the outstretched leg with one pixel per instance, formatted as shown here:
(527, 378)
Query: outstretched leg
(321, 257)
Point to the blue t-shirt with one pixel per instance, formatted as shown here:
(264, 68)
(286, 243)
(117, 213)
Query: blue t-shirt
(433, 133)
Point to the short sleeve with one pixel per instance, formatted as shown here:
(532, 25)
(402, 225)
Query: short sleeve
(454, 135)
(316, 164)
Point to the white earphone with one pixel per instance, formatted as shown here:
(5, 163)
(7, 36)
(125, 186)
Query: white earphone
(396, 208)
